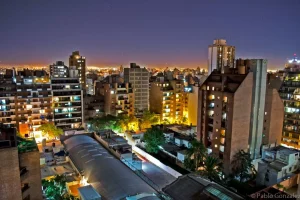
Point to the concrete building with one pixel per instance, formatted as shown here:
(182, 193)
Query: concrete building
(20, 175)
(259, 69)
(220, 55)
(7, 99)
(80, 63)
(278, 163)
(139, 78)
(59, 70)
(232, 109)
(168, 100)
(119, 98)
(67, 103)
(290, 94)
(33, 101)
(191, 104)
(274, 112)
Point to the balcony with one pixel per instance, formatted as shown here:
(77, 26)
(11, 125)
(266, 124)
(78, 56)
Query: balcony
(25, 187)
(23, 171)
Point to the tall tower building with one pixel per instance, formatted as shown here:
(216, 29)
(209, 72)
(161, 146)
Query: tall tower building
(139, 78)
(290, 94)
(220, 55)
(232, 109)
(79, 62)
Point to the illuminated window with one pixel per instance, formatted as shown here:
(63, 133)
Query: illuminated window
(67, 86)
(42, 111)
(207, 88)
(112, 92)
(213, 88)
(225, 99)
(216, 146)
(28, 107)
(217, 130)
(265, 113)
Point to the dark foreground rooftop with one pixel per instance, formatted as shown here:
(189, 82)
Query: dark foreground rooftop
(109, 176)
(193, 187)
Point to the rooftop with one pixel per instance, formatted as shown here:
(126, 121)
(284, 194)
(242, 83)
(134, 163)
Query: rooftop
(193, 187)
(108, 175)
(88, 192)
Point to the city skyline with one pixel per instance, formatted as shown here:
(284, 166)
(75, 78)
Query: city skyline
(159, 34)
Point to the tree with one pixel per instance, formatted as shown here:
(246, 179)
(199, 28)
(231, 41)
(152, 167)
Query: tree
(212, 168)
(50, 130)
(242, 166)
(55, 188)
(153, 138)
(197, 152)
(147, 120)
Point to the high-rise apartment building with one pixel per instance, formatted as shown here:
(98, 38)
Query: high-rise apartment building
(58, 70)
(220, 55)
(139, 78)
(118, 99)
(33, 105)
(7, 99)
(20, 174)
(80, 63)
(67, 103)
(232, 111)
(168, 99)
(290, 94)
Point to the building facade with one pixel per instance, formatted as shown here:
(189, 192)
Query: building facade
(59, 70)
(290, 94)
(235, 111)
(33, 101)
(67, 103)
(168, 100)
(220, 55)
(139, 78)
(118, 99)
(7, 99)
(80, 63)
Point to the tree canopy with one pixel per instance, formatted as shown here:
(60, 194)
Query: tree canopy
(242, 166)
(195, 155)
(50, 130)
(212, 168)
(55, 188)
(153, 138)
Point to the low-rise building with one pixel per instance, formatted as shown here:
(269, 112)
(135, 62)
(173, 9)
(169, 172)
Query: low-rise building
(278, 163)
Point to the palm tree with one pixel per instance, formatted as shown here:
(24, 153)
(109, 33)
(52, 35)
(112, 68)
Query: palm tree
(197, 152)
(242, 166)
(212, 168)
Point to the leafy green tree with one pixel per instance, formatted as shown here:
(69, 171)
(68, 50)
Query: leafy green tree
(55, 189)
(50, 130)
(196, 153)
(153, 138)
(148, 119)
(242, 166)
(212, 168)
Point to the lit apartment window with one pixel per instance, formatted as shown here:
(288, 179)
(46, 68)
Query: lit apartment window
(216, 146)
(67, 86)
(112, 92)
(213, 88)
(28, 107)
(42, 111)
(225, 99)
(266, 113)
(217, 130)
(207, 88)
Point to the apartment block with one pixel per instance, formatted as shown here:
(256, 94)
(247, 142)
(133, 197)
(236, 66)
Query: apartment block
(220, 55)
(67, 103)
(33, 103)
(236, 111)
(80, 64)
(118, 99)
(139, 78)
(7, 99)
(168, 99)
(59, 70)
(20, 175)
(290, 94)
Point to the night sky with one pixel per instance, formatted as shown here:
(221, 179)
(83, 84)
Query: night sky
(149, 32)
